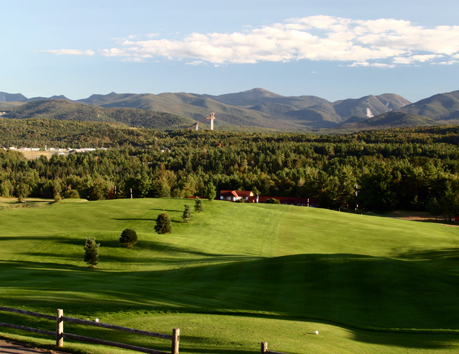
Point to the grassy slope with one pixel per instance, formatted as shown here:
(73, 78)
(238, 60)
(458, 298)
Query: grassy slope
(239, 274)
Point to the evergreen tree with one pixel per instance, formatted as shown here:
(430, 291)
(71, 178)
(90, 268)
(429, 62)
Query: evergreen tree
(187, 213)
(163, 224)
(57, 191)
(198, 206)
(128, 238)
(434, 207)
(22, 190)
(91, 249)
(211, 191)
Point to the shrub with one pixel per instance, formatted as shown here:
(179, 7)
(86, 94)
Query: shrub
(128, 238)
(272, 201)
(163, 224)
(71, 193)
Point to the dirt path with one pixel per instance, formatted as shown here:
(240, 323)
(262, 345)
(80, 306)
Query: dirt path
(8, 347)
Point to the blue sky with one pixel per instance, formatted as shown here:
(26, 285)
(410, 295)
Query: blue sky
(334, 49)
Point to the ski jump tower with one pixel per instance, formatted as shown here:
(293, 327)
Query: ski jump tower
(210, 117)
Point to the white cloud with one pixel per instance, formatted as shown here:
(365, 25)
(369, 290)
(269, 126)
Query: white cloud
(69, 52)
(378, 43)
(373, 64)
(196, 62)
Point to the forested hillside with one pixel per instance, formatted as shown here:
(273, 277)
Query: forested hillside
(39, 133)
(414, 169)
(61, 109)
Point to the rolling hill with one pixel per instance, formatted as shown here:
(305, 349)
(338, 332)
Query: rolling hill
(388, 120)
(193, 106)
(435, 110)
(255, 109)
(311, 111)
(443, 106)
(277, 274)
(66, 110)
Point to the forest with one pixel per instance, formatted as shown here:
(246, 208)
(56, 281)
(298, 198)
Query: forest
(379, 171)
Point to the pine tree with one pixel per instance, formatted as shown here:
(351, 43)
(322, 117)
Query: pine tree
(57, 190)
(187, 213)
(163, 224)
(91, 249)
(211, 191)
(198, 206)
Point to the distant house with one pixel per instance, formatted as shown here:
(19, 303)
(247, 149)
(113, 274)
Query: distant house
(234, 196)
(249, 197)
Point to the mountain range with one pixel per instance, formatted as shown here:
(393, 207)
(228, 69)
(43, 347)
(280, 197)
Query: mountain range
(256, 108)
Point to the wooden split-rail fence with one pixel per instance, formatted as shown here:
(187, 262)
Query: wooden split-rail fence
(264, 349)
(61, 335)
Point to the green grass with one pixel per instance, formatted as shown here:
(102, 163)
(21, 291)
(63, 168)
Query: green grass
(236, 275)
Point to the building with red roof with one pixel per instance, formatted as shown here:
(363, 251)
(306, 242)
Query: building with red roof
(249, 197)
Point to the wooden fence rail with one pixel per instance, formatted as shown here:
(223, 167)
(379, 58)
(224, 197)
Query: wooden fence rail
(264, 349)
(60, 334)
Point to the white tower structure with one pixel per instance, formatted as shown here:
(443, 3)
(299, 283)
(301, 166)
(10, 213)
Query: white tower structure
(212, 118)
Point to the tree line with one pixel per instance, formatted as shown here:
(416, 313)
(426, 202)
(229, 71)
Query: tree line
(410, 168)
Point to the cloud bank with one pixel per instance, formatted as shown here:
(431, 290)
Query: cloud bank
(380, 43)
(69, 52)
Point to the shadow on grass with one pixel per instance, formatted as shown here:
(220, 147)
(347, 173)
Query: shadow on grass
(18, 265)
(135, 219)
(29, 238)
(450, 254)
(348, 290)
(167, 210)
(428, 341)
(158, 247)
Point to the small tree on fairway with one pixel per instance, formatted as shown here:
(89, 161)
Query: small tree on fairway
(198, 206)
(211, 191)
(187, 213)
(91, 249)
(163, 224)
(128, 238)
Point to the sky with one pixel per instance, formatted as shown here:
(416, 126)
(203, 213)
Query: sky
(334, 49)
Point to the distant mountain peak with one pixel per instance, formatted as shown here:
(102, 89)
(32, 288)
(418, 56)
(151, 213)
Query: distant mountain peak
(12, 97)
(261, 92)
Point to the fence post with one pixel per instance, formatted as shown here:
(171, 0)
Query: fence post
(264, 347)
(175, 340)
(60, 328)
